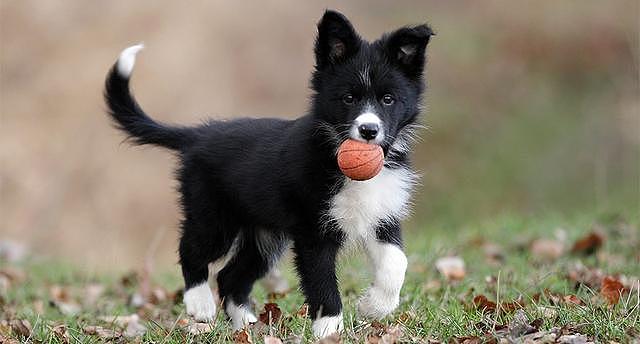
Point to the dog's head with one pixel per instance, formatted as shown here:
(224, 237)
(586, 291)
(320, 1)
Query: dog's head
(368, 91)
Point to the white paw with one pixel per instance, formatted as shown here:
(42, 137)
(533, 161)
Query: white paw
(377, 303)
(325, 326)
(240, 315)
(199, 303)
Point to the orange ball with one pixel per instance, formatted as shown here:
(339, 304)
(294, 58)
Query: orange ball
(360, 160)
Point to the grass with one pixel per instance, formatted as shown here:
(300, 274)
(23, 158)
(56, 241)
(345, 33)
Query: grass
(431, 307)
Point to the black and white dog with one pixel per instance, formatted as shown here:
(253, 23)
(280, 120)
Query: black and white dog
(252, 187)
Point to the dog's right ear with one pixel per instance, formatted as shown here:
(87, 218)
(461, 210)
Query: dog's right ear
(336, 41)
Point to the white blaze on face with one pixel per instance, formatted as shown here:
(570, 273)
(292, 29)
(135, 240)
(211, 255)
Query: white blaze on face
(367, 117)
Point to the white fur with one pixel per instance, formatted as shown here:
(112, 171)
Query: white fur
(361, 205)
(325, 326)
(240, 315)
(199, 303)
(368, 116)
(127, 59)
(274, 281)
(365, 76)
(389, 265)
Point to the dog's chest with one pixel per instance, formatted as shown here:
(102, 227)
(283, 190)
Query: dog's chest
(359, 206)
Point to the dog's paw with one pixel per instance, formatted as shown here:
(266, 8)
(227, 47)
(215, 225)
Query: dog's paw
(325, 326)
(199, 303)
(240, 315)
(377, 303)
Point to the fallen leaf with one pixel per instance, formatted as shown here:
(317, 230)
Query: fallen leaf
(303, 311)
(130, 323)
(158, 295)
(519, 325)
(386, 335)
(61, 333)
(546, 249)
(451, 268)
(574, 339)
(482, 303)
(582, 275)
(101, 332)
(92, 293)
(331, 339)
(21, 326)
(242, 337)
(7, 340)
(272, 340)
(466, 340)
(493, 253)
(588, 244)
(271, 314)
(197, 328)
(572, 300)
(548, 312)
(611, 290)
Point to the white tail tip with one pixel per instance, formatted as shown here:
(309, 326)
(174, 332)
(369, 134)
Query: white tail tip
(127, 59)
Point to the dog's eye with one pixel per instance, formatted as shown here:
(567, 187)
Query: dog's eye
(387, 99)
(348, 99)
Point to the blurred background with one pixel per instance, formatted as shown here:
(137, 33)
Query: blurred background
(532, 107)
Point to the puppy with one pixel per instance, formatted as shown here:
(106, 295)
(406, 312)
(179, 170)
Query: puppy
(250, 188)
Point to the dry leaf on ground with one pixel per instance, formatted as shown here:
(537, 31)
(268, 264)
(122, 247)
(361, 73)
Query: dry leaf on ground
(272, 340)
(384, 335)
(195, 328)
(242, 337)
(546, 249)
(101, 332)
(271, 314)
(332, 339)
(61, 333)
(21, 326)
(611, 290)
(451, 267)
(588, 244)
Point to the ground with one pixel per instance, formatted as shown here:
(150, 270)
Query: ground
(566, 277)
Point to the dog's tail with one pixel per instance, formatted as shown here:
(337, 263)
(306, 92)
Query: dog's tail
(129, 117)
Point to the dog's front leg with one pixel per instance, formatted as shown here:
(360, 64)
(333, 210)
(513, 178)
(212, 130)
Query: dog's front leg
(389, 264)
(315, 261)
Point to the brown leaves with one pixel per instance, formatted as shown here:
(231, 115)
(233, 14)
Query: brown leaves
(452, 268)
(381, 334)
(483, 304)
(546, 249)
(61, 333)
(101, 332)
(242, 337)
(271, 314)
(588, 244)
(20, 327)
(272, 340)
(611, 290)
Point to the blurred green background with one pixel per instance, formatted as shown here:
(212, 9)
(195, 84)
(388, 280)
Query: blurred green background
(532, 109)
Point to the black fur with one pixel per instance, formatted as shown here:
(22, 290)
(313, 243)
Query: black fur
(266, 182)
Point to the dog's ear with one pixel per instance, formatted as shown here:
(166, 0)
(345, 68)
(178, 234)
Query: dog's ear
(406, 48)
(336, 41)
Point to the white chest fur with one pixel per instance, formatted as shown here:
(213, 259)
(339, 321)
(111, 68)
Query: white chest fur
(359, 206)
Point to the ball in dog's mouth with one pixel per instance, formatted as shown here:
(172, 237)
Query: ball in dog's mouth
(360, 160)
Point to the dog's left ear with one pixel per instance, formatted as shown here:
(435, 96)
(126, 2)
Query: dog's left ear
(406, 48)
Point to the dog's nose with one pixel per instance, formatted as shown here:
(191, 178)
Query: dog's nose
(369, 131)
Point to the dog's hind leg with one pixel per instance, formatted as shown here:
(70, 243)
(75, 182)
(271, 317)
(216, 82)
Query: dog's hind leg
(200, 244)
(257, 251)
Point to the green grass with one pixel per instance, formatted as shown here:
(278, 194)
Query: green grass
(431, 307)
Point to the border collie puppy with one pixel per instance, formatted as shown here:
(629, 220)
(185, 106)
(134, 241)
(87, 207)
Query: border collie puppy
(250, 188)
